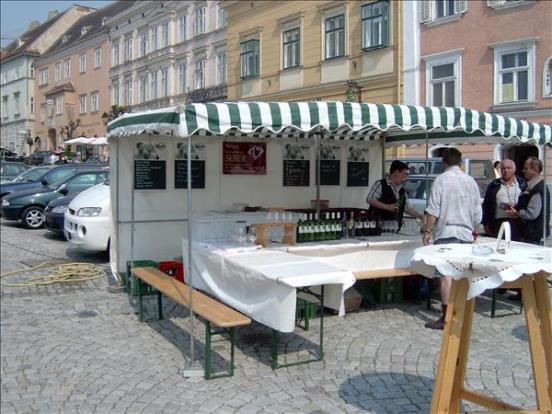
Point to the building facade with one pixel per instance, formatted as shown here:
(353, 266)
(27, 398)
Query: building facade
(493, 56)
(167, 52)
(72, 81)
(17, 77)
(315, 50)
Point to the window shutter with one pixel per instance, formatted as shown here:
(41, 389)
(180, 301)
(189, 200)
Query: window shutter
(494, 3)
(426, 7)
(460, 6)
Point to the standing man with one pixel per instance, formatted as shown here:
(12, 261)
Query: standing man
(385, 194)
(530, 206)
(452, 215)
(501, 195)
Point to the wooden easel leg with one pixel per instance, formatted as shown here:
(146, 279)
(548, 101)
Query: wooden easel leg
(450, 345)
(535, 343)
(458, 385)
(545, 316)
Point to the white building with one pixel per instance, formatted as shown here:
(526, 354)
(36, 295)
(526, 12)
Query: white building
(168, 52)
(17, 77)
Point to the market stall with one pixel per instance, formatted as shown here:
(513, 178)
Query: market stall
(89, 148)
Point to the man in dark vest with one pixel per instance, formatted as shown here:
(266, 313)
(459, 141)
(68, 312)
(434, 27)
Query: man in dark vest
(530, 208)
(385, 194)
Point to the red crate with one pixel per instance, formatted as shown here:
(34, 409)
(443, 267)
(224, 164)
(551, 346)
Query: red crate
(173, 268)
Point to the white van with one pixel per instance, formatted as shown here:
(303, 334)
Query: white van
(87, 221)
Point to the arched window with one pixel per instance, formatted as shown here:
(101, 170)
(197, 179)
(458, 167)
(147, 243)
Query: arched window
(547, 78)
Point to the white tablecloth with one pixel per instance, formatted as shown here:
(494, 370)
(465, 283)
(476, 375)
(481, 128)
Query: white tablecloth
(483, 272)
(262, 283)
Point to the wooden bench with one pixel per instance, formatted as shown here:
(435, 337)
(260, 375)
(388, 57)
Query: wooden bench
(209, 309)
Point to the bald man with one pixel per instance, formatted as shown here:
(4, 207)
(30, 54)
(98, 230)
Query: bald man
(501, 195)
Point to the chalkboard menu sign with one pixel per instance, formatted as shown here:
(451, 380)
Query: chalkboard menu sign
(329, 172)
(150, 166)
(296, 173)
(357, 174)
(181, 174)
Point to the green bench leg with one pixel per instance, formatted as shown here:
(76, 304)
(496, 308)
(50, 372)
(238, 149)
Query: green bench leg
(493, 303)
(208, 366)
(159, 305)
(140, 301)
(208, 352)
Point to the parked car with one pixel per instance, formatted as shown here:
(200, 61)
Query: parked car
(30, 175)
(44, 157)
(55, 213)
(10, 170)
(28, 205)
(53, 174)
(480, 169)
(7, 155)
(87, 222)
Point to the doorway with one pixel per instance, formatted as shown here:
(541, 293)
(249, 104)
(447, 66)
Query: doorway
(519, 153)
(52, 139)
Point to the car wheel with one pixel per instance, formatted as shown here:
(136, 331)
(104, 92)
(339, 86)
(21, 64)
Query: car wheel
(33, 217)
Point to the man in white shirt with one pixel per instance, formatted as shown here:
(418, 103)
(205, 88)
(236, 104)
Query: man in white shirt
(452, 215)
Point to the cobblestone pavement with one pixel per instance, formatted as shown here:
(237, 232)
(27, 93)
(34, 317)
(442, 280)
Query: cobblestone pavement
(80, 348)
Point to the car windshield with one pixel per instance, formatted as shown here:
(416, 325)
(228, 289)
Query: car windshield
(32, 174)
(56, 177)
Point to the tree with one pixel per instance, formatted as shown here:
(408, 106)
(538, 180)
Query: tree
(114, 112)
(68, 130)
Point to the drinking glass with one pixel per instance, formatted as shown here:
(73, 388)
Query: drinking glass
(241, 237)
(252, 235)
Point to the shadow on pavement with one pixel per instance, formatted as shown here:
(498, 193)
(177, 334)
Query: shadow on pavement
(520, 332)
(373, 391)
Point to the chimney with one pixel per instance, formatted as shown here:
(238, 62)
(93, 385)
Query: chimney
(33, 25)
(52, 14)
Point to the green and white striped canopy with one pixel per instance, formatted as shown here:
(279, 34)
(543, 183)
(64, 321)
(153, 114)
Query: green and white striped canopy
(338, 120)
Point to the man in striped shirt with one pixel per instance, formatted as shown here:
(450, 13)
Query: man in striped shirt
(452, 215)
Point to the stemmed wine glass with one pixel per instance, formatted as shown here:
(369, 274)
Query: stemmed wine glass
(242, 237)
(252, 235)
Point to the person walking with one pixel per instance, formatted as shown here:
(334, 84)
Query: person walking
(452, 216)
(385, 194)
(501, 195)
(530, 207)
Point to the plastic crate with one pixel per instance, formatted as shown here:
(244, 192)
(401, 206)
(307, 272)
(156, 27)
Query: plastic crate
(390, 290)
(132, 283)
(173, 268)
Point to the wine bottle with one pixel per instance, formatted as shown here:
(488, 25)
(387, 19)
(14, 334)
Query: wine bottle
(299, 230)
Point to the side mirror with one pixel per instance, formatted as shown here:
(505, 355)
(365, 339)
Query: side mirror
(44, 182)
(63, 190)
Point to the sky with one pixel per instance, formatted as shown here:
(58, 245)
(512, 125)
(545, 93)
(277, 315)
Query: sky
(16, 15)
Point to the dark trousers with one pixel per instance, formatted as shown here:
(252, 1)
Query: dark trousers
(514, 226)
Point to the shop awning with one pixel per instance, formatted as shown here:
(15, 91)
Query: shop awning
(339, 120)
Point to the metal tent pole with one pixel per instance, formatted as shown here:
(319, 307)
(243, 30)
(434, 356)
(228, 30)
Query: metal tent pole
(117, 218)
(544, 198)
(426, 167)
(133, 142)
(317, 146)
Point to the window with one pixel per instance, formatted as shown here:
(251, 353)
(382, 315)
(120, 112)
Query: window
(443, 79)
(165, 34)
(547, 79)
(200, 74)
(442, 10)
(116, 56)
(200, 21)
(82, 63)
(116, 93)
(249, 58)
(153, 85)
(59, 105)
(143, 88)
(515, 72)
(182, 83)
(153, 35)
(82, 104)
(67, 69)
(291, 48)
(17, 103)
(57, 72)
(335, 36)
(143, 44)
(5, 113)
(505, 4)
(43, 77)
(31, 104)
(31, 70)
(375, 27)
(128, 92)
(221, 68)
(42, 112)
(97, 58)
(182, 27)
(95, 101)
(222, 17)
(164, 82)
(128, 49)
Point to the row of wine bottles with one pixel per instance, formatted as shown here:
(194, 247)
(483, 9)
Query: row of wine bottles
(335, 226)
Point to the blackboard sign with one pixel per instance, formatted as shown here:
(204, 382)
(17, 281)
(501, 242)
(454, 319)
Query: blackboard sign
(329, 172)
(149, 175)
(181, 174)
(296, 173)
(357, 174)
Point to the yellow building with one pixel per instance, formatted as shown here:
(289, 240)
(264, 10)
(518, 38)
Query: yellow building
(309, 50)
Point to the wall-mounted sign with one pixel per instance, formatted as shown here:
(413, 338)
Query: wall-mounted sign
(296, 165)
(244, 158)
(181, 165)
(358, 167)
(330, 164)
(150, 166)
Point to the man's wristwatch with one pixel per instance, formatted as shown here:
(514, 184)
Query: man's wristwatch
(426, 231)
